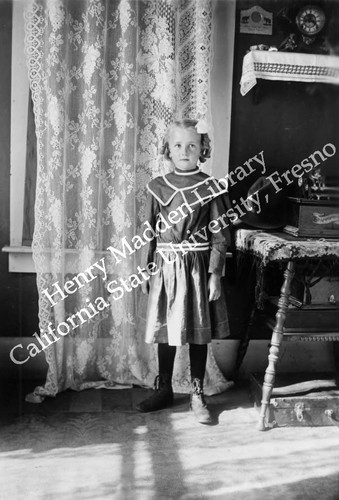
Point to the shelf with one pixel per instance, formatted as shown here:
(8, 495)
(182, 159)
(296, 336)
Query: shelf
(287, 66)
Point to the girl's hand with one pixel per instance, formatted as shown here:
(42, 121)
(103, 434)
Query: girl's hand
(214, 287)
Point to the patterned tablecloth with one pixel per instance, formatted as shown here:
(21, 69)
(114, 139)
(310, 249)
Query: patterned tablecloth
(273, 247)
(288, 66)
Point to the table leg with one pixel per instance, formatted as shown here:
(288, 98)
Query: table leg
(277, 336)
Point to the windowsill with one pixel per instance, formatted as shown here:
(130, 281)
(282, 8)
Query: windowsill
(20, 259)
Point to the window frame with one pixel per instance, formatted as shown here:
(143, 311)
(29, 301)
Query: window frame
(20, 257)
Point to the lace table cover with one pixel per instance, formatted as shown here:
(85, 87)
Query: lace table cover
(287, 66)
(272, 247)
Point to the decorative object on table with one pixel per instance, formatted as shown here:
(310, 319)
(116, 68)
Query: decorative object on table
(312, 218)
(310, 21)
(318, 182)
(256, 20)
(312, 185)
(289, 44)
(305, 28)
(261, 46)
(316, 213)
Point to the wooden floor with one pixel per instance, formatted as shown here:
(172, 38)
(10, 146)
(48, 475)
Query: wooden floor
(94, 445)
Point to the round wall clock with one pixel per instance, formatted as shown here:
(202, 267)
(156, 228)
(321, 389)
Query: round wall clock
(310, 20)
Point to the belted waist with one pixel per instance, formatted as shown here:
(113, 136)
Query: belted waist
(183, 247)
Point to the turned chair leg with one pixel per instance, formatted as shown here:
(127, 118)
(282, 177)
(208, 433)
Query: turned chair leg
(276, 340)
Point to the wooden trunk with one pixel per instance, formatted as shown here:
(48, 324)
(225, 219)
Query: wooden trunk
(312, 218)
(300, 400)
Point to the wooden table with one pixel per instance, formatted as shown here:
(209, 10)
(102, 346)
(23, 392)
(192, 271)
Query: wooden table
(270, 248)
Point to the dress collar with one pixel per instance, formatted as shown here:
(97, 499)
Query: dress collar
(189, 172)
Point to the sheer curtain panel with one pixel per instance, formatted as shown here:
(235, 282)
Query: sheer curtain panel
(107, 77)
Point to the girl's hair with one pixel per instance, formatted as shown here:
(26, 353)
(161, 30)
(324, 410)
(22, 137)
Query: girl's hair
(186, 123)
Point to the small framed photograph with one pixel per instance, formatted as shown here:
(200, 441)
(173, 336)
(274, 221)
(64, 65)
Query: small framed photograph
(256, 20)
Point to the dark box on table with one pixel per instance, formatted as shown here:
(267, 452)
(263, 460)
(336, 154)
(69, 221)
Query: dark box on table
(312, 218)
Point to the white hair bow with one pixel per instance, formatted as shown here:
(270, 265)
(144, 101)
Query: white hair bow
(202, 126)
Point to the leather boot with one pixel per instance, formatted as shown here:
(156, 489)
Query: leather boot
(162, 396)
(198, 404)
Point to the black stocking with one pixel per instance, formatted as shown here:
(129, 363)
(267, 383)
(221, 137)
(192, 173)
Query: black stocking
(198, 357)
(166, 355)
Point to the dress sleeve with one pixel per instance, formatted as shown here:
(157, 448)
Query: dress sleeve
(151, 211)
(220, 241)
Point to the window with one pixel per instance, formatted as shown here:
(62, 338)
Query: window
(23, 134)
(20, 257)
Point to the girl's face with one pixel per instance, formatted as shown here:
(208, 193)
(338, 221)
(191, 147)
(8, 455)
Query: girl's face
(185, 147)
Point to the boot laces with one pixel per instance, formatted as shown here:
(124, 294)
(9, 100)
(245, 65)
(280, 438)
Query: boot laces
(157, 383)
(197, 387)
(162, 382)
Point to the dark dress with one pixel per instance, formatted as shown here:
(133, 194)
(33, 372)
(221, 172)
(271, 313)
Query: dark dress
(189, 247)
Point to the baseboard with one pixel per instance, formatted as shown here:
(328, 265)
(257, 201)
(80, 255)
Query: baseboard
(35, 368)
(294, 356)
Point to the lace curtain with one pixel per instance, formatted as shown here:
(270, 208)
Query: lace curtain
(106, 77)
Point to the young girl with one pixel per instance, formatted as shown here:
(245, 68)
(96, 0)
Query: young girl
(186, 303)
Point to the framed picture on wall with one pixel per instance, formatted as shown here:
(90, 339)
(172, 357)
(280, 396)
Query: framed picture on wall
(256, 20)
